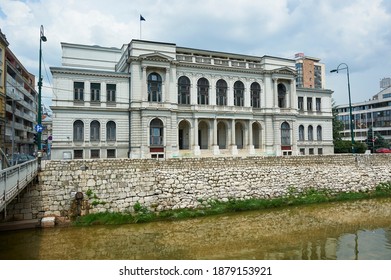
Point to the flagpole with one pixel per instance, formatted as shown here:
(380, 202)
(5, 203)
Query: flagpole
(141, 19)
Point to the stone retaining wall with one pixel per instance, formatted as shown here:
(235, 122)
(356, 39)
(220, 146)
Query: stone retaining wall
(116, 185)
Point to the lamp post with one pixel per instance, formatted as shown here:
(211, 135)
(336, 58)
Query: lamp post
(39, 117)
(346, 67)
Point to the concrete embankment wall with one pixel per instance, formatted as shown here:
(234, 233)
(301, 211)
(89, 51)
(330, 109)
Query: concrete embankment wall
(116, 185)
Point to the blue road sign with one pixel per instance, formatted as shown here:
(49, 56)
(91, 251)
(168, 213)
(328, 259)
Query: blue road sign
(38, 128)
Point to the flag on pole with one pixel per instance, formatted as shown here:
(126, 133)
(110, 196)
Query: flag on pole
(142, 18)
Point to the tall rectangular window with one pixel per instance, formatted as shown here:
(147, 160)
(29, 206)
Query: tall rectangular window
(309, 103)
(318, 104)
(318, 76)
(299, 78)
(300, 103)
(95, 92)
(78, 88)
(95, 131)
(111, 92)
(110, 131)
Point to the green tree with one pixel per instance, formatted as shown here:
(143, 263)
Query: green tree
(337, 125)
(376, 140)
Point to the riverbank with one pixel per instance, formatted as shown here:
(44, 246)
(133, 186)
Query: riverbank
(310, 196)
(67, 189)
(18, 225)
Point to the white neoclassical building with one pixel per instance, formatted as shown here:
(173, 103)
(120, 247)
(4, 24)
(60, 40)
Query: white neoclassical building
(158, 100)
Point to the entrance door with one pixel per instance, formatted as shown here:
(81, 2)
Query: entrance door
(180, 140)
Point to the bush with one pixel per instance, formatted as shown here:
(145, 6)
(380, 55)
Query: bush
(345, 147)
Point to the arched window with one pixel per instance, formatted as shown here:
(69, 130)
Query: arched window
(110, 131)
(154, 87)
(255, 95)
(221, 92)
(310, 133)
(95, 131)
(301, 133)
(238, 93)
(319, 133)
(78, 131)
(156, 132)
(183, 90)
(281, 96)
(285, 134)
(203, 91)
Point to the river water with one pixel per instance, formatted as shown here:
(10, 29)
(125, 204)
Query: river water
(343, 230)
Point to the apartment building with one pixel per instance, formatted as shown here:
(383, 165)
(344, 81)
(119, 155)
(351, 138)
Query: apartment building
(20, 107)
(3, 46)
(158, 100)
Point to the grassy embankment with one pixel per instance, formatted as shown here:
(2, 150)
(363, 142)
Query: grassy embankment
(142, 214)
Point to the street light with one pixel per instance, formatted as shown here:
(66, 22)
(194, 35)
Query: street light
(39, 117)
(350, 100)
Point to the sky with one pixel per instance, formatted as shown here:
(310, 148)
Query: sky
(355, 32)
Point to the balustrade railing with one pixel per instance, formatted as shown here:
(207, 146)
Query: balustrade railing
(14, 179)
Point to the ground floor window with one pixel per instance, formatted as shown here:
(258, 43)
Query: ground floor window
(110, 153)
(302, 151)
(311, 151)
(95, 153)
(157, 155)
(78, 154)
(320, 151)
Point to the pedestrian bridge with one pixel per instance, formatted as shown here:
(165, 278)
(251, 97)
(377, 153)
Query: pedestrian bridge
(14, 179)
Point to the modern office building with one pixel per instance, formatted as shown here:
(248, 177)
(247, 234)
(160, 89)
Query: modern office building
(374, 113)
(158, 100)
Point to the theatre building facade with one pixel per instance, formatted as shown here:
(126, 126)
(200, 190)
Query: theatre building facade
(158, 100)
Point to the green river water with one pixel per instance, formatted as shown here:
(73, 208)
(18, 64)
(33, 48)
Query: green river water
(343, 230)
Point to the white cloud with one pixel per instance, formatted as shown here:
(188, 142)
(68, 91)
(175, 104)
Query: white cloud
(353, 31)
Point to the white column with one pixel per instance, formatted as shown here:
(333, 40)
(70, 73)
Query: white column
(166, 87)
(251, 148)
(212, 91)
(277, 138)
(247, 94)
(196, 146)
(230, 92)
(293, 94)
(215, 146)
(234, 147)
(275, 92)
(193, 91)
(144, 90)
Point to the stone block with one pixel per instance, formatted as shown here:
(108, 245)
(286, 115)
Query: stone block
(48, 222)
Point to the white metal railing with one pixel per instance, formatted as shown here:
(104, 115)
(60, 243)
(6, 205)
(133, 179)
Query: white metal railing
(14, 179)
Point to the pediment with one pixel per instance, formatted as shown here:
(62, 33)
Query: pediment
(285, 70)
(156, 56)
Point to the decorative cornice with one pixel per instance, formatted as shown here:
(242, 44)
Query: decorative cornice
(87, 72)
